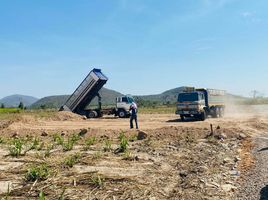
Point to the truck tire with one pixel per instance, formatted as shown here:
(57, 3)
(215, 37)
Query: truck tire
(92, 114)
(203, 116)
(122, 114)
(221, 112)
(182, 117)
(216, 112)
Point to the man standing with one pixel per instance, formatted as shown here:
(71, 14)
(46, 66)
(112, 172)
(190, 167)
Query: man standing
(133, 114)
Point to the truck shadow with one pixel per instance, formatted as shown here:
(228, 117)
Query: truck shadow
(264, 193)
(185, 120)
(109, 117)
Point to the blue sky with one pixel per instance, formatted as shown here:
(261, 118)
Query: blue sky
(143, 46)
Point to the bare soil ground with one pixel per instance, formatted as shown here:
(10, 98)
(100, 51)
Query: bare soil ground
(175, 160)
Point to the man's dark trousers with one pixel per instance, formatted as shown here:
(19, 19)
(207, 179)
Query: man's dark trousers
(134, 117)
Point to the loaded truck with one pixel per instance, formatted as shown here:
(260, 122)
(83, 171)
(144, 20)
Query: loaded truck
(200, 103)
(89, 89)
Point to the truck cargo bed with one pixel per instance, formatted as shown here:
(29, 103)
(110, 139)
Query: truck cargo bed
(85, 92)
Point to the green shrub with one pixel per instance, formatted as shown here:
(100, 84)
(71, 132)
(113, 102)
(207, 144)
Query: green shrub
(48, 149)
(89, 142)
(37, 172)
(97, 155)
(36, 144)
(74, 138)
(15, 149)
(71, 160)
(133, 138)
(127, 155)
(41, 196)
(2, 141)
(107, 145)
(121, 135)
(123, 142)
(58, 139)
(97, 181)
(68, 146)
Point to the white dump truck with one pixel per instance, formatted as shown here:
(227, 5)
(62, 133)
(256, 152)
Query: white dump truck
(199, 103)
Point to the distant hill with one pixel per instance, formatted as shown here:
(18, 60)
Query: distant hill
(169, 96)
(14, 100)
(108, 98)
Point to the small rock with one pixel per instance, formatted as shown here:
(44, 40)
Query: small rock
(224, 146)
(136, 158)
(236, 159)
(63, 133)
(242, 136)
(234, 173)
(228, 187)
(14, 135)
(104, 137)
(183, 174)
(213, 185)
(202, 181)
(221, 136)
(84, 117)
(44, 134)
(227, 160)
(142, 135)
(83, 132)
(202, 169)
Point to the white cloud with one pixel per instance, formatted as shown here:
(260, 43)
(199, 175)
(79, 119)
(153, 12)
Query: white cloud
(247, 14)
(251, 16)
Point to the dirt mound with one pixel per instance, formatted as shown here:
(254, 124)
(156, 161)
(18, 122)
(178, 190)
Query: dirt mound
(67, 116)
(5, 123)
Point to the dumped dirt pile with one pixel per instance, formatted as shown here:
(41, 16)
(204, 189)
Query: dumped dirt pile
(5, 123)
(66, 116)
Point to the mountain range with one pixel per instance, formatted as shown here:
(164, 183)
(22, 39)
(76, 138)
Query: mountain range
(108, 98)
(14, 100)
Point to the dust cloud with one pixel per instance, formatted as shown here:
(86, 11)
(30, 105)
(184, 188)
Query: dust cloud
(235, 109)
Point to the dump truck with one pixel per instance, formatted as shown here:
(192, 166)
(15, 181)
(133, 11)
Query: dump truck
(200, 103)
(89, 89)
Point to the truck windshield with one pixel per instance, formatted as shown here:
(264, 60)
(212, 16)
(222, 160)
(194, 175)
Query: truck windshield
(127, 99)
(130, 99)
(187, 97)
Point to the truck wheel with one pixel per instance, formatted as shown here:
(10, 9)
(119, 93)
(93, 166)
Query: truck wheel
(216, 112)
(182, 117)
(203, 116)
(122, 114)
(92, 114)
(221, 112)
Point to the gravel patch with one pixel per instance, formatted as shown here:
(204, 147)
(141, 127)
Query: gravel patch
(255, 185)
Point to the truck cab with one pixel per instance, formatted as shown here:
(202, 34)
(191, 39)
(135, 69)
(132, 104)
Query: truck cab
(122, 105)
(191, 104)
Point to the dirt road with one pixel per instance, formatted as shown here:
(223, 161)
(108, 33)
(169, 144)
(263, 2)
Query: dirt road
(69, 121)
